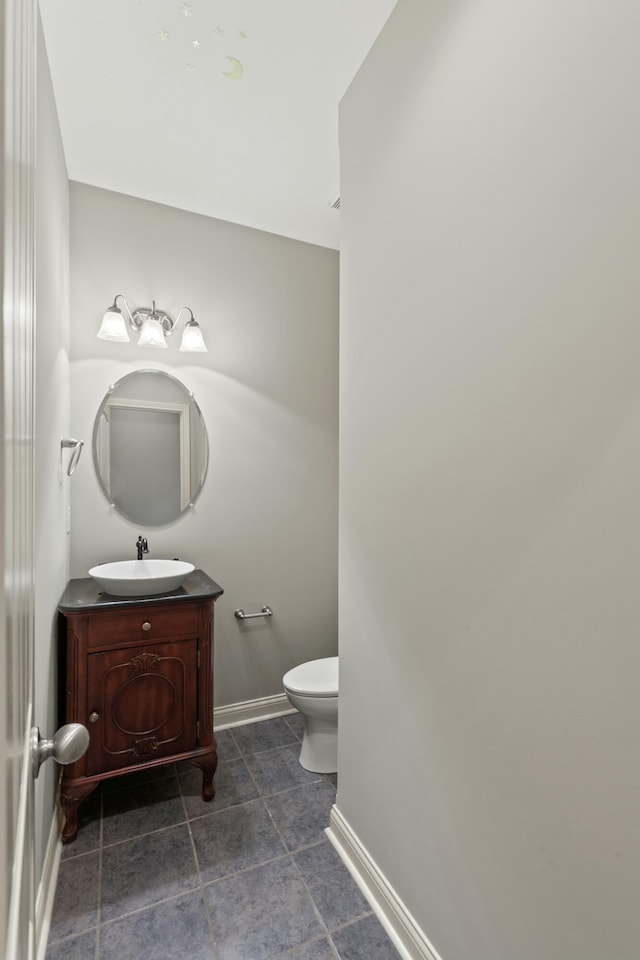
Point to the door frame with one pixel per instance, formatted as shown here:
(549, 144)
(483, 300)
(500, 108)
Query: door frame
(18, 54)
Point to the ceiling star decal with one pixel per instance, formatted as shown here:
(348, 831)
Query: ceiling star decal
(190, 66)
(242, 34)
(236, 69)
(163, 35)
(219, 32)
(195, 44)
(187, 9)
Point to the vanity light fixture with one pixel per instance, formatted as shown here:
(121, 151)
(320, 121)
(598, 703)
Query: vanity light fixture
(153, 327)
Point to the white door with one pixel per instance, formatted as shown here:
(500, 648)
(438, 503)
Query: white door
(17, 132)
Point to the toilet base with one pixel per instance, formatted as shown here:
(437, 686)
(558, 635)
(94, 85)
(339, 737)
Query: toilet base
(319, 751)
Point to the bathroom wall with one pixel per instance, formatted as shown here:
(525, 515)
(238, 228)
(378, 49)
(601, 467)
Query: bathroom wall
(489, 473)
(265, 525)
(51, 424)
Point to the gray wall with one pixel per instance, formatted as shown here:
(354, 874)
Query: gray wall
(490, 429)
(52, 423)
(265, 525)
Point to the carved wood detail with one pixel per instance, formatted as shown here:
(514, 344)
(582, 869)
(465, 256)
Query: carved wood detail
(145, 661)
(145, 748)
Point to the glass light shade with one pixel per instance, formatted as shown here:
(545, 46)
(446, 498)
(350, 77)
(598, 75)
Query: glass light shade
(192, 339)
(152, 334)
(113, 326)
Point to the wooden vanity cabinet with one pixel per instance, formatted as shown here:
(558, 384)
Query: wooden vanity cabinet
(139, 675)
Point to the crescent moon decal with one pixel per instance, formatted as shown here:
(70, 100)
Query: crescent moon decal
(236, 69)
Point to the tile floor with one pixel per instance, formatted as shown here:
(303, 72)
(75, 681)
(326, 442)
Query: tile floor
(156, 874)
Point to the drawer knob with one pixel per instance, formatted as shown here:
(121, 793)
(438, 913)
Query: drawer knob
(94, 717)
(146, 625)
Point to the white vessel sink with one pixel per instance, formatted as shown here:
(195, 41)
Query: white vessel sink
(140, 578)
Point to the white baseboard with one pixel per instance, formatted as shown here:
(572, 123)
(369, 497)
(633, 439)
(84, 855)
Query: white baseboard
(404, 932)
(248, 711)
(47, 887)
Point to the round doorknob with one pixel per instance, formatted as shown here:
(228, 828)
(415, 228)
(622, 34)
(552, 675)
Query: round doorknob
(94, 717)
(69, 743)
(146, 625)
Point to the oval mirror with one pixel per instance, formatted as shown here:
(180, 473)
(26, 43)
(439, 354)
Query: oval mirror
(150, 447)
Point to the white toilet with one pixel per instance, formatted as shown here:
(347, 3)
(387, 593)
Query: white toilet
(312, 688)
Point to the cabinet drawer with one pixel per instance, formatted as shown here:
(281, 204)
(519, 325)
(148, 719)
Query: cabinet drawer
(133, 626)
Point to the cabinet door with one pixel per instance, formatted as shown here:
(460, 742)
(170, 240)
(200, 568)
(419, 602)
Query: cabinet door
(145, 699)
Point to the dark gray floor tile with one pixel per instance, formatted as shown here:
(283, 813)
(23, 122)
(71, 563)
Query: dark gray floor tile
(277, 770)
(301, 815)
(227, 746)
(233, 785)
(318, 950)
(141, 809)
(89, 814)
(296, 722)
(233, 839)
(258, 914)
(364, 940)
(265, 735)
(76, 903)
(140, 872)
(332, 778)
(150, 906)
(174, 930)
(149, 775)
(78, 948)
(332, 888)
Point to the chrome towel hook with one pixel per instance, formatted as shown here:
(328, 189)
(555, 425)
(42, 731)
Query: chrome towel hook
(76, 446)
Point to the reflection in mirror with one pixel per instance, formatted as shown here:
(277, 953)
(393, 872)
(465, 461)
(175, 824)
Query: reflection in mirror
(150, 447)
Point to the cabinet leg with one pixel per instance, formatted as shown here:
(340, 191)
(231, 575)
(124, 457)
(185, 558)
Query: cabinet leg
(207, 764)
(71, 796)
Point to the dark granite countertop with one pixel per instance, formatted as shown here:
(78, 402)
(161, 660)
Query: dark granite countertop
(86, 594)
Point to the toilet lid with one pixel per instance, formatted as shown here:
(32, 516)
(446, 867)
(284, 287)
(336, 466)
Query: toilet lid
(318, 678)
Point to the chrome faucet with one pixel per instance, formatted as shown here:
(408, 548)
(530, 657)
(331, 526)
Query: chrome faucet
(143, 547)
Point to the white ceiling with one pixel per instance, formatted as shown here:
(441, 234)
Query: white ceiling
(227, 108)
